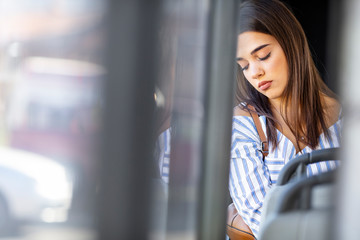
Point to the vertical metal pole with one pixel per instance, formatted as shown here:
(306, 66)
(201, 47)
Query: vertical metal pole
(348, 208)
(127, 141)
(218, 119)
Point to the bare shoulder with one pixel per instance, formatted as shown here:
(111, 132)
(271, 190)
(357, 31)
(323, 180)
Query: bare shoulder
(332, 105)
(332, 109)
(238, 111)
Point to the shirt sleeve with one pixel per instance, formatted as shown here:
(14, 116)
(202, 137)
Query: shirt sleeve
(249, 177)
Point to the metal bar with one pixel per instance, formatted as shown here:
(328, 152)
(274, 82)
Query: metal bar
(218, 119)
(348, 208)
(128, 138)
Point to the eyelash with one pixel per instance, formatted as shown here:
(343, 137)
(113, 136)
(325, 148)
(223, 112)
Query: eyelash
(266, 57)
(261, 59)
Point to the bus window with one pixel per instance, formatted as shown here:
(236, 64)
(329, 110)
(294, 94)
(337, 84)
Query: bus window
(51, 72)
(157, 173)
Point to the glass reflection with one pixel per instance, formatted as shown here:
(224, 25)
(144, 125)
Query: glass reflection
(179, 97)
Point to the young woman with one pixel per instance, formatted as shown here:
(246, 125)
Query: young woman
(297, 111)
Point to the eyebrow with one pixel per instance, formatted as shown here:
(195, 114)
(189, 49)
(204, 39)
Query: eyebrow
(255, 50)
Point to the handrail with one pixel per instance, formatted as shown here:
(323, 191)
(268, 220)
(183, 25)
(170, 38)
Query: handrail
(313, 157)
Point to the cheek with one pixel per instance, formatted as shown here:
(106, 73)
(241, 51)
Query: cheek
(279, 67)
(275, 66)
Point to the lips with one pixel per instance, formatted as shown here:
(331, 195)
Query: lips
(264, 85)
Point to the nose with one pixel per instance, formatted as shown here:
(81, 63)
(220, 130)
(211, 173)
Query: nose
(257, 72)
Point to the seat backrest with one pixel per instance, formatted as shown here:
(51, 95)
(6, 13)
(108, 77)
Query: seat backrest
(299, 225)
(297, 166)
(294, 171)
(299, 212)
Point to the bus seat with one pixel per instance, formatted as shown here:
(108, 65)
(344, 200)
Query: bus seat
(300, 213)
(295, 170)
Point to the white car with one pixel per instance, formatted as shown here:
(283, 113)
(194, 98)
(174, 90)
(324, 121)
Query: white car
(32, 188)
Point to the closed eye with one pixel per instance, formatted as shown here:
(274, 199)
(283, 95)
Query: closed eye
(266, 57)
(261, 59)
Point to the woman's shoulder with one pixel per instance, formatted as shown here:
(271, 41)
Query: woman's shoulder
(332, 109)
(239, 111)
(332, 102)
(243, 124)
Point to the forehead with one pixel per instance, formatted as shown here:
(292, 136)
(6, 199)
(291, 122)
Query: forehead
(248, 41)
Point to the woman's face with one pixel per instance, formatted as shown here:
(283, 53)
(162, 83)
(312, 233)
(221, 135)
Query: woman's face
(263, 63)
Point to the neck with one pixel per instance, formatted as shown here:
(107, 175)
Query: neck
(277, 105)
(281, 110)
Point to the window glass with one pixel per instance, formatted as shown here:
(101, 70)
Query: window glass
(51, 74)
(180, 109)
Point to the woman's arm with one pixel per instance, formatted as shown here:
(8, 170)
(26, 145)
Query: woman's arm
(249, 176)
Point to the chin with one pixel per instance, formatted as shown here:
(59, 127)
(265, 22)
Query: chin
(273, 96)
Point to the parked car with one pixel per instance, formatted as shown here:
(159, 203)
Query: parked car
(33, 188)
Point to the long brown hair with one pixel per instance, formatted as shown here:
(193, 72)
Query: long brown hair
(302, 94)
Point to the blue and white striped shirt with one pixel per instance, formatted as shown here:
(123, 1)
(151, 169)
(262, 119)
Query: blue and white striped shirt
(251, 178)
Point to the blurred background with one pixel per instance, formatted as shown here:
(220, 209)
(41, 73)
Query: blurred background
(51, 73)
(98, 97)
